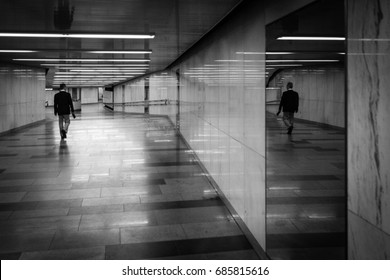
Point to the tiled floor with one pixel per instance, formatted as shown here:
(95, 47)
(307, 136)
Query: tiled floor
(305, 191)
(120, 187)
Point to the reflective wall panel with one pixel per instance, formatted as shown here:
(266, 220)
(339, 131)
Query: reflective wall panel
(129, 92)
(321, 93)
(163, 92)
(22, 96)
(222, 101)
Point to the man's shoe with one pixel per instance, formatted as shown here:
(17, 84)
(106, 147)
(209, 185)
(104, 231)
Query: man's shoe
(63, 133)
(289, 130)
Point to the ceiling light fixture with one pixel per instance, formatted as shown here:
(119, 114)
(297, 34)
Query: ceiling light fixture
(17, 51)
(248, 53)
(67, 74)
(77, 35)
(102, 69)
(302, 60)
(80, 60)
(93, 65)
(311, 38)
(284, 65)
(120, 52)
(91, 75)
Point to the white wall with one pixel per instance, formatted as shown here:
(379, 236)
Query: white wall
(89, 95)
(130, 92)
(321, 93)
(164, 87)
(107, 97)
(22, 96)
(223, 112)
(50, 96)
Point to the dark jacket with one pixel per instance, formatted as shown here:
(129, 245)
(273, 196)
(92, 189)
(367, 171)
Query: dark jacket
(63, 104)
(289, 101)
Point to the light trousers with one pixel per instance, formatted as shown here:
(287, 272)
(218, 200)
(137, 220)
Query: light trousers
(63, 119)
(288, 118)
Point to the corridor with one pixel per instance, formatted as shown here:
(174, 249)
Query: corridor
(306, 217)
(121, 186)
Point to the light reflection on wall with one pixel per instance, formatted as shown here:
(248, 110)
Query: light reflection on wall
(22, 96)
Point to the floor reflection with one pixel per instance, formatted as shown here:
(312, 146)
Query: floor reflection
(305, 192)
(120, 186)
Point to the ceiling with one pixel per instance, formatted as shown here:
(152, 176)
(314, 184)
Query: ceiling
(324, 18)
(176, 24)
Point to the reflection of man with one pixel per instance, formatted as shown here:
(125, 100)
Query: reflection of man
(63, 105)
(289, 102)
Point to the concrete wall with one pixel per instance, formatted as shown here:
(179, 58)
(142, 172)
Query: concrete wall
(22, 96)
(368, 129)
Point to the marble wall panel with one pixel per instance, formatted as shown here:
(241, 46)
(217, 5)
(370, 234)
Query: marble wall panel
(255, 215)
(366, 241)
(21, 88)
(232, 104)
(368, 128)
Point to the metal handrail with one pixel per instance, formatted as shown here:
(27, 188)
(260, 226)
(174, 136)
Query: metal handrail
(146, 103)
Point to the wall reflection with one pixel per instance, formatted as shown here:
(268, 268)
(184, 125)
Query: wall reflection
(221, 110)
(22, 96)
(306, 199)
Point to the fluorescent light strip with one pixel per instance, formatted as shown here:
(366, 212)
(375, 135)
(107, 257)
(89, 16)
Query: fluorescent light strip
(237, 60)
(77, 72)
(79, 51)
(302, 60)
(106, 70)
(100, 73)
(265, 53)
(93, 76)
(87, 36)
(80, 59)
(94, 65)
(67, 81)
(58, 80)
(17, 51)
(314, 38)
(284, 65)
(120, 52)
(80, 69)
(279, 53)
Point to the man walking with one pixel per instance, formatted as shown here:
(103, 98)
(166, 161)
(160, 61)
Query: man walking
(63, 105)
(289, 103)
